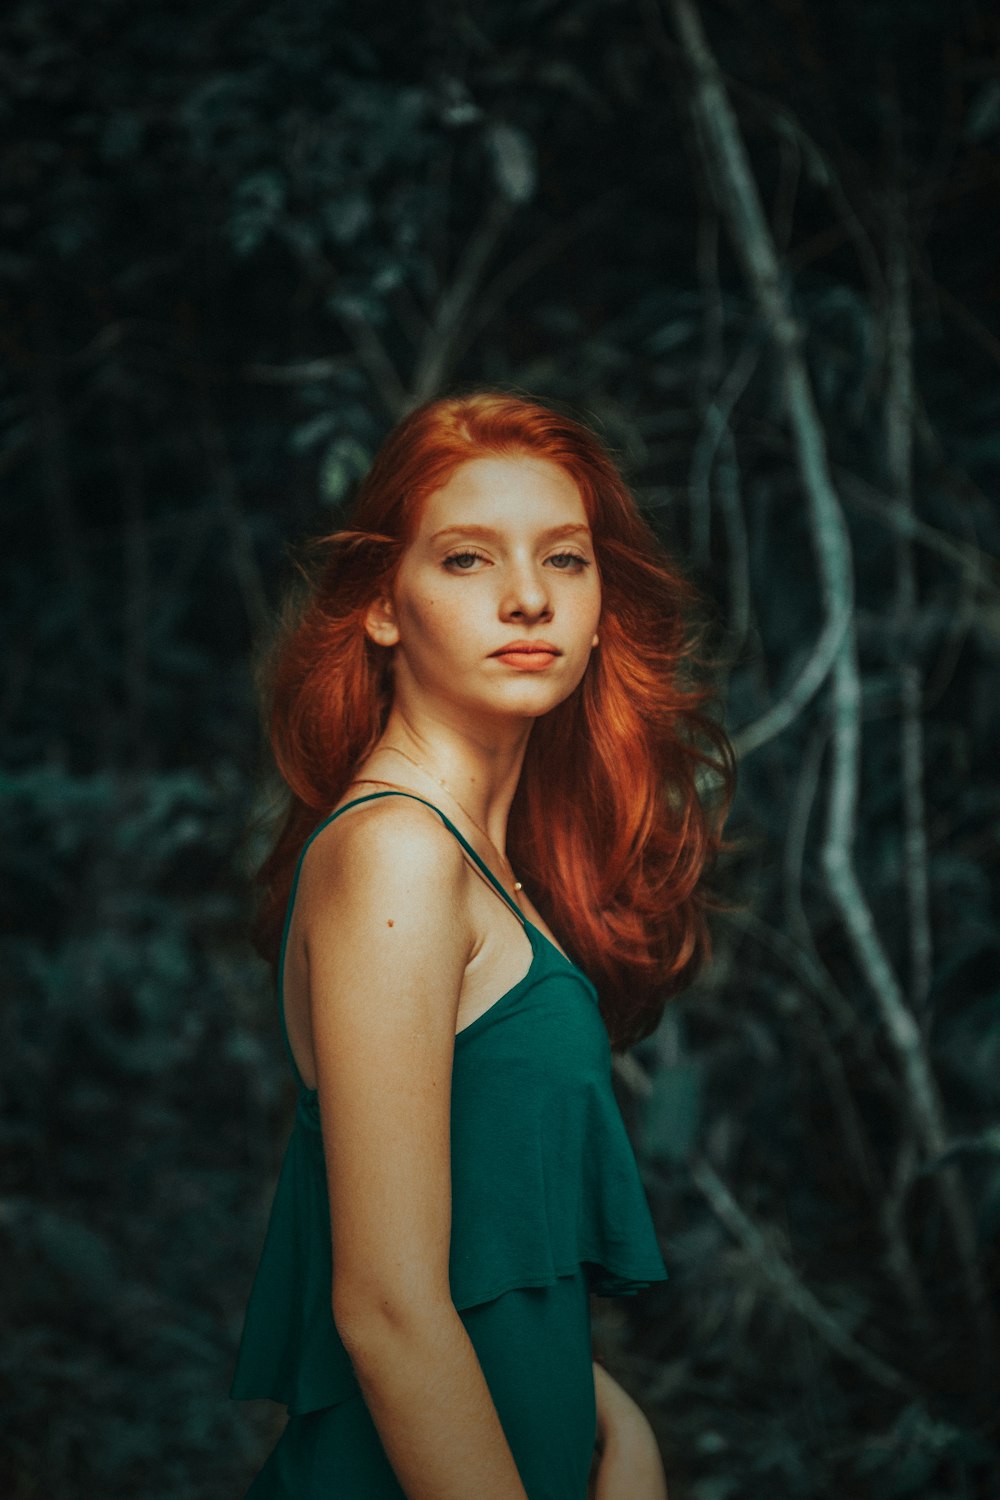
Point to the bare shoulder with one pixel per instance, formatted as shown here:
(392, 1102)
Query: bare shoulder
(388, 865)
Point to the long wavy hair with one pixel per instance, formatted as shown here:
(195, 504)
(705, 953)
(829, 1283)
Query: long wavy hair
(625, 785)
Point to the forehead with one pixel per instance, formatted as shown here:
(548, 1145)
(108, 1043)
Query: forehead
(518, 490)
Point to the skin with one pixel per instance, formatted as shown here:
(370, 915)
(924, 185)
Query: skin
(408, 900)
(454, 708)
(629, 1466)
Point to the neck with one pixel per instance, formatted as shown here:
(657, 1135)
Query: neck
(479, 774)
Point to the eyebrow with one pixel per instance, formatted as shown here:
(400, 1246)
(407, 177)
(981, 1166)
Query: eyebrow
(551, 531)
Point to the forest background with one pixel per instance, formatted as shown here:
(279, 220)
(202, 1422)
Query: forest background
(750, 244)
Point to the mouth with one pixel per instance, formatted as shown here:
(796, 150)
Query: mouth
(527, 658)
(527, 648)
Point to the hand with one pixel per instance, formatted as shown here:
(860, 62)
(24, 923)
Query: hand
(627, 1463)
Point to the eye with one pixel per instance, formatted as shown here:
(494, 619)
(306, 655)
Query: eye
(458, 556)
(568, 557)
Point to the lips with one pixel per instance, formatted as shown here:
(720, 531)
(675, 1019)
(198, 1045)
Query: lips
(527, 648)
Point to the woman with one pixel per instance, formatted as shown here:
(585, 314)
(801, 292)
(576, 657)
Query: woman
(479, 713)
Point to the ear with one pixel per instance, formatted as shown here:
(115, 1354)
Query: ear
(380, 622)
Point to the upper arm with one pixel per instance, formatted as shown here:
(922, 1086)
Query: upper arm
(386, 941)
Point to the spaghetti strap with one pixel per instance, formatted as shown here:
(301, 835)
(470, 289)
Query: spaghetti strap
(368, 797)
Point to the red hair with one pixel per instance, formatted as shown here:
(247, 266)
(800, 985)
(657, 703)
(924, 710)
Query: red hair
(608, 828)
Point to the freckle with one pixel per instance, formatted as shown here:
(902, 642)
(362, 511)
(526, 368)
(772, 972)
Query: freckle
(391, 923)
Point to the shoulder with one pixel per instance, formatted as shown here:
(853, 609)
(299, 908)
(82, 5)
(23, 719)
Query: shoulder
(394, 852)
(391, 835)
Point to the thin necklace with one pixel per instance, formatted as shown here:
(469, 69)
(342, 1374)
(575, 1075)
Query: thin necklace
(441, 782)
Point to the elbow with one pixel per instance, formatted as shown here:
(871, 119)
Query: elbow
(367, 1318)
(360, 1316)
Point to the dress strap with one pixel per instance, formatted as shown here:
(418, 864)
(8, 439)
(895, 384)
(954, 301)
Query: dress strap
(398, 792)
(368, 797)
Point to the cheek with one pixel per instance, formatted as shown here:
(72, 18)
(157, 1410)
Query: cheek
(439, 620)
(587, 609)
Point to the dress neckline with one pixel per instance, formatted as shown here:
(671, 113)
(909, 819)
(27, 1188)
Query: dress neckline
(534, 932)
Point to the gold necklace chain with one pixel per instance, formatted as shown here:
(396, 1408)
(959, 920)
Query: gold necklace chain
(441, 782)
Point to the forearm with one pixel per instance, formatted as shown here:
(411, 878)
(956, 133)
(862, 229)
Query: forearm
(428, 1398)
(617, 1413)
(630, 1466)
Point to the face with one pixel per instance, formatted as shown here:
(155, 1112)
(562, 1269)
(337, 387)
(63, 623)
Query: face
(503, 553)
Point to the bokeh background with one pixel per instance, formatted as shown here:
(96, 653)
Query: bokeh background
(755, 246)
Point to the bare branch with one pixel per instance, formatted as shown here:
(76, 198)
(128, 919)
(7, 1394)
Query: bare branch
(715, 424)
(440, 347)
(372, 353)
(899, 407)
(540, 253)
(766, 1257)
(795, 1295)
(375, 359)
(298, 374)
(966, 557)
(807, 684)
(727, 163)
(904, 1274)
(962, 315)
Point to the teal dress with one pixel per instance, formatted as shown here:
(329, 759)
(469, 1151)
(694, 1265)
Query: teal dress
(547, 1206)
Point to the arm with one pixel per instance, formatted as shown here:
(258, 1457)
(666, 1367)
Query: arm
(629, 1466)
(386, 939)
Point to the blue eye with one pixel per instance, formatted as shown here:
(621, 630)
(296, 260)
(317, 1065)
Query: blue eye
(570, 557)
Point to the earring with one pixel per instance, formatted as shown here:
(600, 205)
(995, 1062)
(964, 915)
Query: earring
(594, 641)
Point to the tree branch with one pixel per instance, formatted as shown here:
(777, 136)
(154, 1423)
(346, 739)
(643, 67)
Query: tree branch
(440, 348)
(795, 1295)
(727, 163)
(898, 426)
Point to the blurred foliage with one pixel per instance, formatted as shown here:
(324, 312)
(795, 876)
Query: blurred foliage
(238, 241)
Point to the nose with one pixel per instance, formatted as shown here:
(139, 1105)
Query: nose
(526, 593)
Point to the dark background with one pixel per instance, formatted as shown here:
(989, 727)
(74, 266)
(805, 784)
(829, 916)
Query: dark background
(238, 241)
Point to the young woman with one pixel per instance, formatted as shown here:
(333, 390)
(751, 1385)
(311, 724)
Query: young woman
(490, 874)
